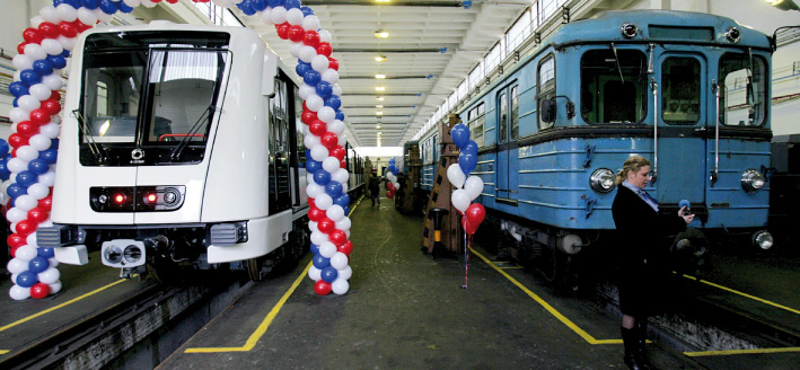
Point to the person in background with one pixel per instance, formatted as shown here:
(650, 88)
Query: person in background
(374, 189)
(641, 231)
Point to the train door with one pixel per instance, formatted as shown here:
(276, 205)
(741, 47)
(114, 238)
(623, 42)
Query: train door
(680, 168)
(507, 190)
(279, 149)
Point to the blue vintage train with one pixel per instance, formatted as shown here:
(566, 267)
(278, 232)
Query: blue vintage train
(689, 91)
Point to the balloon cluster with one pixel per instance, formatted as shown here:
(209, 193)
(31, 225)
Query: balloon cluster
(468, 188)
(392, 186)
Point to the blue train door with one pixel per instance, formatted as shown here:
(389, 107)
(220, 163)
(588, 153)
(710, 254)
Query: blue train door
(507, 189)
(681, 154)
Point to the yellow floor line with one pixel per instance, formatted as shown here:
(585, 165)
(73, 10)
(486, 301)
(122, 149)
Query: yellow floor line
(67, 303)
(734, 291)
(4, 351)
(582, 333)
(743, 352)
(262, 329)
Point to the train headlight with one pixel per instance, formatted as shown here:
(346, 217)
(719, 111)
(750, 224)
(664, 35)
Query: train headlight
(112, 255)
(763, 239)
(733, 35)
(629, 30)
(602, 180)
(753, 181)
(132, 254)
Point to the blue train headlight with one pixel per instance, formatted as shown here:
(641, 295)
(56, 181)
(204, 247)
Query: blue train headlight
(602, 180)
(753, 181)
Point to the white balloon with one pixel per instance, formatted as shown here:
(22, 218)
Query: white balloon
(55, 287)
(294, 16)
(294, 49)
(344, 224)
(68, 43)
(347, 232)
(26, 202)
(456, 175)
(38, 190)
(306, 90)
(327, 249)
(16, 266)
(88, 17)
(39, 142)
(473, 186)
(14, 278)
(340, 286)
(150, 4)
(52, 261)
(314, 103)
(320, 63)
(266, 16)
(325, 36)
(323, 201)
(337, 127)
(310, 23)
(19, 293)
(55, 119)
(460, 200)
(311, 141)
(318, 153)
(341, 176)
(16, 165)
(16, 215)
(345, 273)
(40, 91)
(27, 153)
(342, 139)
(51, 130)
(67, 12)
(36, 21)
(35, 51)
(28, 102)
(107, 18)
(314, 273)
(48, 178)
(50, 14)
(132, 3)
(278, 15)
(330, 75)
(330, 164)
(31, 240)
(22, 61)
(49, 276)
(337, 90)
(318, 237)
(312, 226)
(391, 176)
(339, 261)
(307, 53)
(309, 178)
(396, 184)
(18, 114)
(344, 189)
(335, 213)
(326, 114)
(53, 81)
(313, 190)
(26, 253)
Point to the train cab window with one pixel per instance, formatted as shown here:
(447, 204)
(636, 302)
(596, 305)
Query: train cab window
(546, 84)
(680, 78)
(514, 119)
(613, 86)
(475, 121)
(742, 90)
(112, 89)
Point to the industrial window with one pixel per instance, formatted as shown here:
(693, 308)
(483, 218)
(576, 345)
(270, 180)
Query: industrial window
(546, 85)
(680, 78)
(475, 120)
(743, 90)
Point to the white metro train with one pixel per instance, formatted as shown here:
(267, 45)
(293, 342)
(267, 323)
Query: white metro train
(181, 146)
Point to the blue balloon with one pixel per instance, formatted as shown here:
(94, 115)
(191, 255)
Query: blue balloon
(38, 166)
(329, 274)
(312, 166)
(15, 102)
(3, 148)
(46, 252)
(395, 171)
(321, 262)
(311, 77)
(471, 147)
(49, 155)
(291, 4)
(90, 4)
(333, 101)
(324, 89)
(65, 53)
(58, 61)
(4, 172)
(246, 7)
(339, 115)
(124, 7)
(74, 3)
(346, 211)
(54, 143)
(27, 178)
(322, 177)
(43, 67)
(15, 190)
(27, 279)
(302, 68)
(259, 5)
(460, 135)
(17, 88)
(274, 3)
(38, 264)
(334, 189)
(467, 162)
(4, 159)
(306, 11)
(342, 200)
(108, 6)
(30, 77)
(308, 153)
(314, 249)
(57, 3)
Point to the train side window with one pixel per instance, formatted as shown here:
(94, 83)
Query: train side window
(514, 120)
(476, 119)
(742, 103)
(546, 84)
(502, 111)
(680, 78)
(613, 87)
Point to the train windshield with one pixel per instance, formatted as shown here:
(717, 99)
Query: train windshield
(613, 86)
(743, 89)
(154, 94)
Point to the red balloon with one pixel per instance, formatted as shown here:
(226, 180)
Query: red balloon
(325, 49)
(37, 215)
(343, 164)
(26, 227)
(390, 186)
(474, 215)
(40, 290)
(51, 106)
(27, 128)
(308, 116)
(337, 237)
(329, 140)
(283, 30)
(172, 1)
(296, 33)
(46, 203)
(15, 240)
(13, 252)
(316, 214)
(468, 227)
(67, 29)
(389, 194)
(56, 95)
(21, 47)
(40, 117)
(346, 248)
(322, 287)
(48, 30)
(17, 140)
(80, 26)
(32, 35)
(311, 203)
(311, 38)
(338, 152)
(333, 64)
(324, 225)
(318, 128)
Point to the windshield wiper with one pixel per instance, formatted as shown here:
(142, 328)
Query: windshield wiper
(96, 149)
(176, 152)
(616, 58)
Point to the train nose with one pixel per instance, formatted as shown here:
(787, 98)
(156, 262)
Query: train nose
(763, 239)
(123, 253)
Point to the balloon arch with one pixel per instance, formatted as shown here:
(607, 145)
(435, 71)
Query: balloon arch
(28, 173)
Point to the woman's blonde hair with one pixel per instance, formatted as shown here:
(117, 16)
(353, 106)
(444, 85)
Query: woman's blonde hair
(634, 164)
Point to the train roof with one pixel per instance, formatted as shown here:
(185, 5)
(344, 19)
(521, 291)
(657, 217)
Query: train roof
(659, 25)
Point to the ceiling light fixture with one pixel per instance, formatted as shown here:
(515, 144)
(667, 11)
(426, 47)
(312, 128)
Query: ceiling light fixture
(379, 106)
(380, 76)
(380, 58)
(381, 34)
(380, 98)
(380, 88)
(379, 113)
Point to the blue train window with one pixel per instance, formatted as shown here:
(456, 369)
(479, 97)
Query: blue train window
(502, 111)
(475, 120)
(613, 86)
(742, 81)
(680, 78)
(546, 84)
(514, 119)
